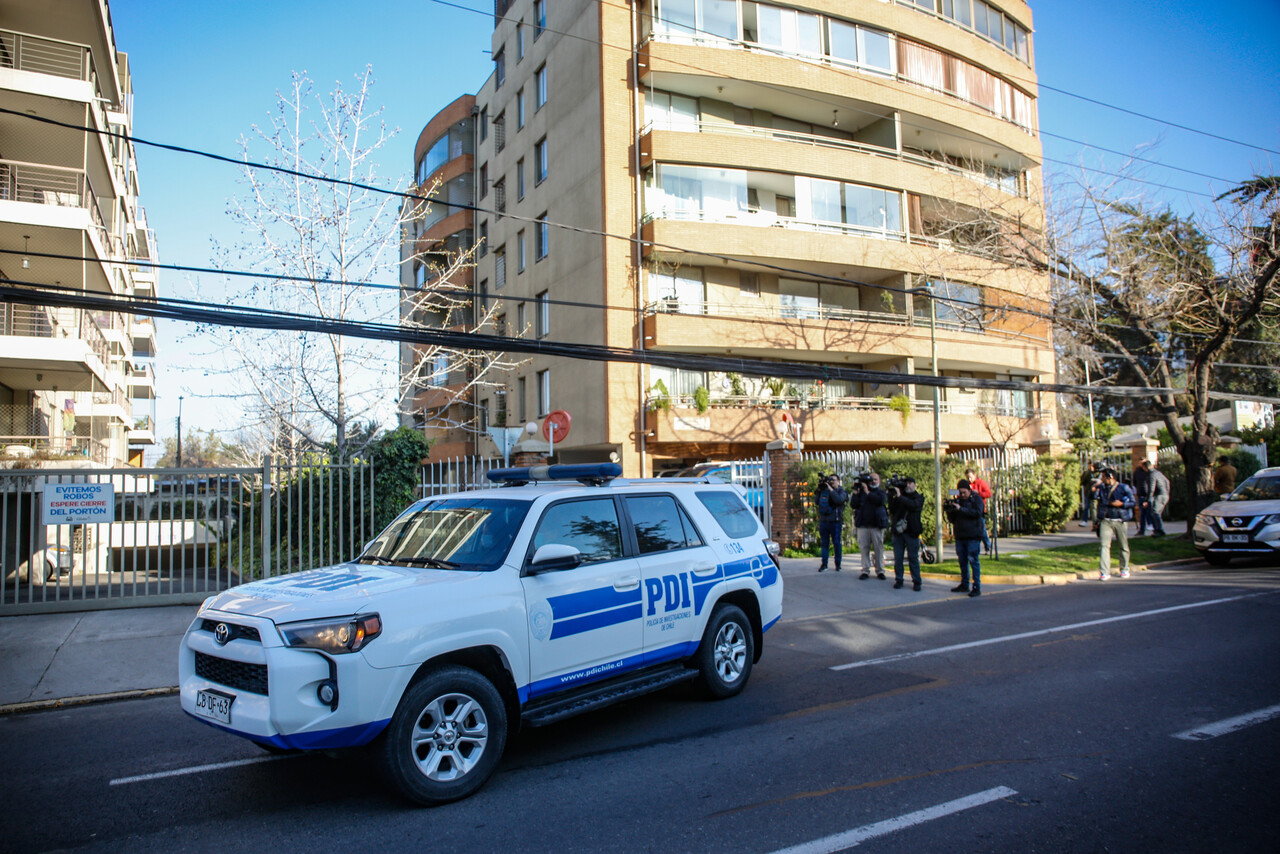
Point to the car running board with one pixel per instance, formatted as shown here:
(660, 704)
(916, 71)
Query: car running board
(543, 712)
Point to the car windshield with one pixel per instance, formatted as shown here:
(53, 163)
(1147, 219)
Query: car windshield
(1257, 489)
(450, 533)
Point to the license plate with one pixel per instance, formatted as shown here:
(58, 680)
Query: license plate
(1235, 538)
(214, 705)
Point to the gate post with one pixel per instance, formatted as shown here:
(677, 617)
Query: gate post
(786, 520)
(266, 516)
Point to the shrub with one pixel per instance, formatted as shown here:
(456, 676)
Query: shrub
(919, 465)
(701, 399)
(1246, 465)
(1053, 496)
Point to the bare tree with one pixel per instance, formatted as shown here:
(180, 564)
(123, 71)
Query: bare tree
(328, 238)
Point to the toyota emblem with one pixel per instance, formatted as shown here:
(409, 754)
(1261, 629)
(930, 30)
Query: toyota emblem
(221, 634)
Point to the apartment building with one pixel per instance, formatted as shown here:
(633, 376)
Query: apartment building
(75, 384)
(770, 182)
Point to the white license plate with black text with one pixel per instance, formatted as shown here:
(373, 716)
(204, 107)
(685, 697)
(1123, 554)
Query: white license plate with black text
(214, 705)
(1235, 538)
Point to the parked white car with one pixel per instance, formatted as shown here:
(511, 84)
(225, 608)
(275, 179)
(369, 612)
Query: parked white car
(564, 591)
(1244, 524)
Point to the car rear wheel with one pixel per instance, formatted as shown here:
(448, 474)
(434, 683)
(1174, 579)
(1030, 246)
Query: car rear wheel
(1217, 559)
(727, 651)
(445, 738)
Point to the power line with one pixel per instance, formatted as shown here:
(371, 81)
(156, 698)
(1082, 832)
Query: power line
(34, 293)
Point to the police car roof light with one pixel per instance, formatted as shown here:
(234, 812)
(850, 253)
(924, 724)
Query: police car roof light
(589, 473)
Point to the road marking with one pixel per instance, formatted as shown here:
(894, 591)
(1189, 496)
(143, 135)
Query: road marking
(178, 772)
(850, 838)
(903, 656)
(1208, 731)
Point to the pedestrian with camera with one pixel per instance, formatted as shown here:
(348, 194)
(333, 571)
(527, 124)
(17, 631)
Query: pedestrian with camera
(965, 510)
(905, 505)
(831, 500)
(1115, 509)
(983, 489)
(870, 517)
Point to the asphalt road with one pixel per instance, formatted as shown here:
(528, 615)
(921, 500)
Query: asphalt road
(1037, 720)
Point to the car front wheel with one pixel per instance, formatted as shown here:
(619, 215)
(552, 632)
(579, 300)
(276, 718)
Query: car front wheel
(727, 651)
(445, 738)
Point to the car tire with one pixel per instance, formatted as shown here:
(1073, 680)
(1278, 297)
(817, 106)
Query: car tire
(445, 738)
(1217, 559)
(727, 651)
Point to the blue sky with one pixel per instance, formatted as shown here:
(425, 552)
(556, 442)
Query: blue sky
(205, 72)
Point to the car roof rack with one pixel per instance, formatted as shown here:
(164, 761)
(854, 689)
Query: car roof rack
(590, 474)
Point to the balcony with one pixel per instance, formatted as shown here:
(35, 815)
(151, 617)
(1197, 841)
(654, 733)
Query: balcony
(143, 431)
(144, 337)
(43, 347)
(841, 422)
(53, 187)
(28, 433)
(142, 382)
(23, 52)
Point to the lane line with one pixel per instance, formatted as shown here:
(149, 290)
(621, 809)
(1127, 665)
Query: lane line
(850, 838)
(1213, 730)
(197, 769)
(903, 656)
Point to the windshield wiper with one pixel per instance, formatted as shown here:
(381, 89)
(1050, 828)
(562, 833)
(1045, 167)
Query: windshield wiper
(435, 562)
(374, 559)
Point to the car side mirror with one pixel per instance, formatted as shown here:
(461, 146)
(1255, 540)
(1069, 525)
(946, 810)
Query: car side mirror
(552, 557)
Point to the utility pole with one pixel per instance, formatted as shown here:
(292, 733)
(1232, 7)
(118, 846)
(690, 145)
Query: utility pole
(179, 462)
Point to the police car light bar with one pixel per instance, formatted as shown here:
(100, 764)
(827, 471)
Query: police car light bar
(590, 473)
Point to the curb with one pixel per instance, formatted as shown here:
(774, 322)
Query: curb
(1053, 578)
(85, 700)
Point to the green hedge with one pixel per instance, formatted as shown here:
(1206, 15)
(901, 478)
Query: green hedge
(1246, 465)
(1052, 496)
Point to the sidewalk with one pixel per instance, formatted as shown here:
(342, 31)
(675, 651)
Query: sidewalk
(51, 660)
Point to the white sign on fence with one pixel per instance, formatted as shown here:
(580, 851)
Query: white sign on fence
(79, 503)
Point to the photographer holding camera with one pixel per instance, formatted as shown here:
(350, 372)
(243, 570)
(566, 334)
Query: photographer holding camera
(831, 500)
(905, 505)
(965, 510)
(870, 517)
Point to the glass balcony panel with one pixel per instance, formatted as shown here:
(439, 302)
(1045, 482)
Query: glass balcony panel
(720, 18)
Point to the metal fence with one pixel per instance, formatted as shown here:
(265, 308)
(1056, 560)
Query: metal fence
(174, 536)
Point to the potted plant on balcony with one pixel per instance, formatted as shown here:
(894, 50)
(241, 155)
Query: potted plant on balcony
(901, 404)
(659, 397)
(776, 386)
(702, 399)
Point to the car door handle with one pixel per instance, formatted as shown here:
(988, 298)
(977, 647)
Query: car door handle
(704, 569)
(630, 582)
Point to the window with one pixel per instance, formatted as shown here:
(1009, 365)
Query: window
(482, 415)
(520, 251)
(730, 513)
(543, 316)
(520, 109)
(542, 238)
(499, 268)
(660, 524)
(671, 112)
(590, 526)
(482, 295)
(519, 41)
(682, 291)
(419, 274)
(544, 392)
(522, 325)
(484, 180)
(499, 132)
(439, 370)
(500, 196)
(749, 284)
(499, 68)
(483, 245)
(540, 161)
(520, 179)
(540, 76)
(521, 394)
(484, 124)
(539, 17)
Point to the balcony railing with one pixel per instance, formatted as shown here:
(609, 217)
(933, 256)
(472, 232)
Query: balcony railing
(822, 402)
(1008, 182)
(780, 312)
(45, 56)
(58, 186)
(144, 424)
(768, 219)
(34, 321)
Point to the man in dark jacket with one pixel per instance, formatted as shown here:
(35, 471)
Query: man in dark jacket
(831, 500)
(1115, 509)
(1160, 491)
(870, 517)
(904, 521)
(1142, 493)
(966, 512)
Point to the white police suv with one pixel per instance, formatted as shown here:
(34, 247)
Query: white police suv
(1244, 524)
(563, 591)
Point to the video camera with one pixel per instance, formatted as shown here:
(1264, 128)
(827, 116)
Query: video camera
(896, 484)
(826, 481)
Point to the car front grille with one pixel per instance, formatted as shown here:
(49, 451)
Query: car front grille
(234, 674)
(233, 631)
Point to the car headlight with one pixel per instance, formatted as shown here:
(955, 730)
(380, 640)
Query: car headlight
(1272, 519)
(1204, 519)
(335, 636)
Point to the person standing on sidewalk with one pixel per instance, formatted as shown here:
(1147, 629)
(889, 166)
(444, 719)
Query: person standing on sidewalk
(905, 505)
(1142, 494)
(983, 489)
(1224, 477)
(831, 500)
(965, 511)
(870, 517)
(1152, 503)
(1115, 509)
